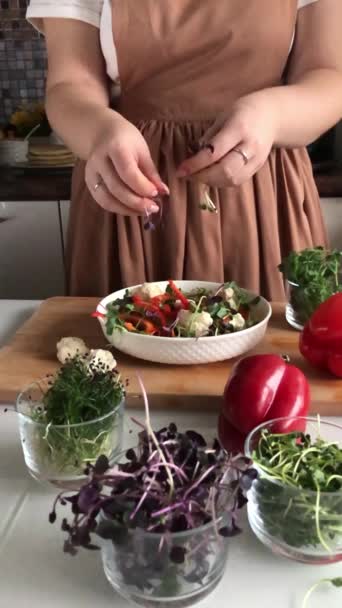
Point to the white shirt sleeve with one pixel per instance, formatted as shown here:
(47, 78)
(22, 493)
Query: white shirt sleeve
(83, 10)
(302, 3)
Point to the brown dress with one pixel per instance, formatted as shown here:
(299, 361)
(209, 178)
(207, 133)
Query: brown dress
(180, 64)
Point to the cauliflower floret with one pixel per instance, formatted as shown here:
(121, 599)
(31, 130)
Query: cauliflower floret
(229, 297)
(147, 291)
(238, 322)
(69, 348)
(102, 359)
(196, 323)
(227, 293)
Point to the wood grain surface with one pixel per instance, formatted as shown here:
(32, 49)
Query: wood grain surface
(31, 354)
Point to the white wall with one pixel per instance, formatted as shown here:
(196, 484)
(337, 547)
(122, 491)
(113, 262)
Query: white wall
(332, 212)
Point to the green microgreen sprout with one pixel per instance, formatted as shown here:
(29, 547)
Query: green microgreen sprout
(76, 412)
(314, 275)
(206, 203)
(336, 582)
(312, 515)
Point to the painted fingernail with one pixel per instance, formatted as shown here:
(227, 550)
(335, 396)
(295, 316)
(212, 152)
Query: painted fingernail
(154, 193)
(153, 208)
(164, 189)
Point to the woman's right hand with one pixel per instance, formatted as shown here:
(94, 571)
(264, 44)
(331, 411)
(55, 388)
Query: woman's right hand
(120, 173)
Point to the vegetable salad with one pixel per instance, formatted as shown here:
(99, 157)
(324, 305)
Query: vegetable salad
(171, 313)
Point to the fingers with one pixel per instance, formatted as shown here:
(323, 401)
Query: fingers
(148, 168)
(220, 144)
(231, 170)
(122, 160)
(127, 168)
(138, 170)
(113, 194)
(109, 203)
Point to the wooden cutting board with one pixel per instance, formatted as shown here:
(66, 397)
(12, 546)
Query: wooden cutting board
(32, 354)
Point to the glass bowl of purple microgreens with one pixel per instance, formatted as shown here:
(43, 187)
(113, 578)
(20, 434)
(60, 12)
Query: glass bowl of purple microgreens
(163, 517)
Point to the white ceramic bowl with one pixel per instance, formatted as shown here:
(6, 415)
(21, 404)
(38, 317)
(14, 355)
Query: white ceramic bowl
(188, 351)
(13, 151)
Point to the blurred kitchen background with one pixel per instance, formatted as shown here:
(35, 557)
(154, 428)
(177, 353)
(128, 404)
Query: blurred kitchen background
(34, 195)
(22, 59)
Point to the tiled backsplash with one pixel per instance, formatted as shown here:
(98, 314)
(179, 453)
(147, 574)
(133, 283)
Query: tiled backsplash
(22, 59)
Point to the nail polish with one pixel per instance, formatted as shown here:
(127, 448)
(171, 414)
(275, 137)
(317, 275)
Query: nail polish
(164, 189)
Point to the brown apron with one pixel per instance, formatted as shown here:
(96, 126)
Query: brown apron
(180, 64)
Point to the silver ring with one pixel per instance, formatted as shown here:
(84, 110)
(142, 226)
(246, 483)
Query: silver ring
(98, 184)
(243, 154)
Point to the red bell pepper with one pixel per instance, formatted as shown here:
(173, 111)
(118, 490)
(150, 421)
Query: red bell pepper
(264, 387)
(179, 295)
(98, 315)
(229, 437)
(320, 342)
(138, 323)
(153, 308)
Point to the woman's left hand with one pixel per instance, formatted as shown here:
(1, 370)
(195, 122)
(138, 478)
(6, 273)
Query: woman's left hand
(237, 145)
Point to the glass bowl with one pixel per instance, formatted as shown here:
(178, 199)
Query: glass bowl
(58, 454)
(299, 308)
(301, 305)
(139, 567)
(302, 525)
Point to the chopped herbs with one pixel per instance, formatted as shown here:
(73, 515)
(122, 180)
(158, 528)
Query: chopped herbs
(299, 492)
(174, 314)
(315, 275)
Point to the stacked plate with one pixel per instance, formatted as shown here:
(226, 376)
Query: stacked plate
(50, 155)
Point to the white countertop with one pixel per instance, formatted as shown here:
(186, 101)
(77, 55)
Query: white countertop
(34, 572)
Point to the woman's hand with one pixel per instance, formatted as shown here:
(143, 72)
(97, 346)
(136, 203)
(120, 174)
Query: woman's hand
(120, 173)
(239, 144)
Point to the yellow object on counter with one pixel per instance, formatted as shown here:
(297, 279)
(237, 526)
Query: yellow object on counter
(50, 154)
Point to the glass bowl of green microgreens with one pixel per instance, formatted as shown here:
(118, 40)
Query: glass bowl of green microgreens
(312, 276)
(67, 420)
(295, 505)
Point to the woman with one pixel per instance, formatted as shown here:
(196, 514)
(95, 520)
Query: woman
(253, 85)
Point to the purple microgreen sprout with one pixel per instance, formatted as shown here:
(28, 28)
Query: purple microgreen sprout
(171, 483)
(151, 434)
(149, 224)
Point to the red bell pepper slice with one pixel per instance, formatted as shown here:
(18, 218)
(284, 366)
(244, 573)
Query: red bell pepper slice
(159, 300)
(244, 311)
(179, 295)
(138, 322)
(98, 315)
(154, 308)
